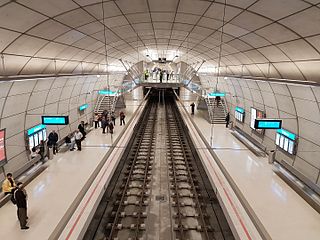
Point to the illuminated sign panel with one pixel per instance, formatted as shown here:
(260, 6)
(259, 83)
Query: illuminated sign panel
(286, 140)
(217, 94)
(255, 113)
(267, 124)
(239, 114)
(3, 156)
(83, 107)
(55, 120)
(36, 129)
(107, 92)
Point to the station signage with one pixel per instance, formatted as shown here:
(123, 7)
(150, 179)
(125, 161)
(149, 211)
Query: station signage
(3, 156)
(217, 94)
(36, 129)
(286, 140)
(55, 120)
(267, 123)
(83, 107)
(239, 114)
(106, 92)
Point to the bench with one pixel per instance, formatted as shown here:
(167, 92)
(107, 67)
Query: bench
(26, 178)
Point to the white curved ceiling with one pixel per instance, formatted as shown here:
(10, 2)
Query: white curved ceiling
(268, 38)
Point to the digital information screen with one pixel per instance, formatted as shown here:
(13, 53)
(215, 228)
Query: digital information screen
(267, 123)
(239, 114)
(216, 94)
(254, 115)
(107, 92)
(36, 134)
(83, 107)
(286, 141)
(55, 120)
(3, 156)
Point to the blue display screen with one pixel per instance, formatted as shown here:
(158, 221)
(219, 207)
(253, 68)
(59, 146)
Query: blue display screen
(267, 124)
(35, 129)
(55, 120)
(286, 133)
(217, 94)
(239, 109)
(106, 92)
(83, 107)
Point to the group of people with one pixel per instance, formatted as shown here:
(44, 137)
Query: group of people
(107, 121)
(158, 73)
(18, 197)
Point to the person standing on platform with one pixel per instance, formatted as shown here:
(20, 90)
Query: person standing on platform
(104, 124)
(122, 117)
(70, 141)
(78, 136)
(192, 105)
(52, 141)
(111, 127)
(20, 197)
(227, 120)
(81, 128)
(96, 121)
(161, 76)
(218, 99)
(113, 118)
(42, 150)
(8, 186)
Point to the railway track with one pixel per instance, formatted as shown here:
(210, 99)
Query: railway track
(140, 204)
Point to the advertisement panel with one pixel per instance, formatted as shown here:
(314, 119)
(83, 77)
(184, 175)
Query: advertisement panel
(3, 157)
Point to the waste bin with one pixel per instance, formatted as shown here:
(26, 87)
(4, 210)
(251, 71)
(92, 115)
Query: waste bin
(50, 153)
(271, 156)
(230, 125)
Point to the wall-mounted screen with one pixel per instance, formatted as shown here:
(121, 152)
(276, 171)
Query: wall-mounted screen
(255, 113)
(83, 107)
(239, 114)
(3, 156)
(107, 92)
(267, 123)
(55, 120)
(217, 94)
(286, 140)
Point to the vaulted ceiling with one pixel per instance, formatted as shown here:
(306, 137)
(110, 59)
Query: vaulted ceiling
(267, 38)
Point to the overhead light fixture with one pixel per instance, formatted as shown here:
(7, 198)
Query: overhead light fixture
(98, 76)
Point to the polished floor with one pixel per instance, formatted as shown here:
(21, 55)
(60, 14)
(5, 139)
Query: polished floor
(52, 193)
(281, 211)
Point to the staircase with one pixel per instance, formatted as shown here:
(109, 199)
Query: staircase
(217, 114)
(106, 102)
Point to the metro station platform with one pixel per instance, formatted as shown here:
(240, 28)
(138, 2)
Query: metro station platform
(278, 211)
(53, 194)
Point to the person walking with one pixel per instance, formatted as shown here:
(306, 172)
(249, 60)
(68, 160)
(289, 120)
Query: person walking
(227, 120)
(52, 141)
(113, 118)
(96, 121)
(111, 127)
(161, 76)
(122, 117)
(104, 124)
(78, 136)
(218, 99)
(8, 186)
(20, 197)
(192, 105)
(81, 128)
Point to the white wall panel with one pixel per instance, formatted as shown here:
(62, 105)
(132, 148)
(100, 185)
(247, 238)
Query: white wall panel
(15, 105)
(22, 87)
(285, 104)
(307, 169)
(302, 92)
(4, 89)
(307, 109)
(37, 99)
(13, 124)
(309, 130)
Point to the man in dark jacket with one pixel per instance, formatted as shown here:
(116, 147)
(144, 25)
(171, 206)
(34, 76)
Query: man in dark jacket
(192, 105)
(82, 130)
(52, 141)
(21, 200)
